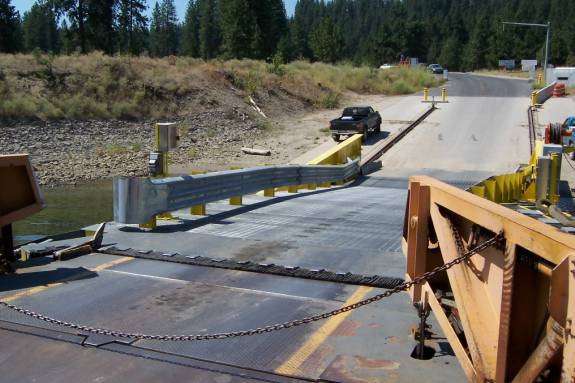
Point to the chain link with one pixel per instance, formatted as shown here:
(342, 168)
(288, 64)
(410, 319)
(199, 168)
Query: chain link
(276, 327)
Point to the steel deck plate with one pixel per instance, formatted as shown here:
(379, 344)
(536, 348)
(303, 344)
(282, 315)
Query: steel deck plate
(355, 229)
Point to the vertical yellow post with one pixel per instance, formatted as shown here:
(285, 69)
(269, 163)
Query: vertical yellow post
(553, 181)
(443, 94)
(271, 192)
(198, 209)
(425, 94)
(293, 189)
(533, 98)
(312, 187)
(237, 200)
(153, 222)
(540, 79)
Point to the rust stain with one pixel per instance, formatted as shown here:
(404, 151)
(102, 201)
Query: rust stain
(376, 363)
(358, 369)
(347, 328)
(338, 371)
(391, 340)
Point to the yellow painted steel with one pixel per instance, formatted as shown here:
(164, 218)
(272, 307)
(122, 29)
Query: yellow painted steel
(270, 192)
(198, 209)
(553, 192)
(237, 200)
(152, 223)
(443, 94)
(533, 98)
(425, 94)
(350, 148)
(478, 191)
(293, 189)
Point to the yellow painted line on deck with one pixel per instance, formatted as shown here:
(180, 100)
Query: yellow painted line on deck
(296, 360)
(39, 289)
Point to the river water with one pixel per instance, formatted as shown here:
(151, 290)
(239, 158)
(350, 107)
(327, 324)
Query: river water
(68, 208)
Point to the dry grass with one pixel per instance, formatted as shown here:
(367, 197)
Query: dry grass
(96, 86)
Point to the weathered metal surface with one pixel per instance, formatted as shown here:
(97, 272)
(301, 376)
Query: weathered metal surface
(151, 296)
(137, 200)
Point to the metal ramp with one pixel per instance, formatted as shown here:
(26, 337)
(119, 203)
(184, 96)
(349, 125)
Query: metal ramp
(354, 228)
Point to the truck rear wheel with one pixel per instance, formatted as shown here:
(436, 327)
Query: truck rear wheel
(378, 129)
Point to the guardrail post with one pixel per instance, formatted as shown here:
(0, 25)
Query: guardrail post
(293, 188)
(271, 192)
(198, 209)
(554, 179)
(542, 178)
(236, 200)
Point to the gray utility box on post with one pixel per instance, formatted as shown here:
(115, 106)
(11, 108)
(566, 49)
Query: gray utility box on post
(168, 136)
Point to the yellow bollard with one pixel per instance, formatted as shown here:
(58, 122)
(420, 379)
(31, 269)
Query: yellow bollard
(198, 209)
(293, 189)
(553, 179)
(443, 94)
(533, 98)
(271, 192)
(425, 94)
(237, 200)
(151, 224)
(540, 78)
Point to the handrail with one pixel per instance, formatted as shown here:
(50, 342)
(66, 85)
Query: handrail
(138, 199)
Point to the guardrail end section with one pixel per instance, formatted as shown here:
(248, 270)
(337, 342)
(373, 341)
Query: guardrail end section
(137, 200)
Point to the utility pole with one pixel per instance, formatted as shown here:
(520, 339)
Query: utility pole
(548, 26)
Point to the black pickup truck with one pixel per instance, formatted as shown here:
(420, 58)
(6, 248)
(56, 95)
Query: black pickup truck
(356, 120)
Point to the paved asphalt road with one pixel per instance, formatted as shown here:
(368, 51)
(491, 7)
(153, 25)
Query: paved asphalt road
(483, 128)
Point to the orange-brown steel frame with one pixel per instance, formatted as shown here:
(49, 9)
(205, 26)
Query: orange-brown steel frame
(506, 298)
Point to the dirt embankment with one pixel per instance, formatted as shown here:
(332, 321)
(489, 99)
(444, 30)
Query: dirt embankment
(72, 151)
(91, 117)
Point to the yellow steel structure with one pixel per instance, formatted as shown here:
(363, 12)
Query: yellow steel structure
(198, 209)
(508, 311)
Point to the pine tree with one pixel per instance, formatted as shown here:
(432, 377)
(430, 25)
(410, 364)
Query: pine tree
(10, 37)
(326, 41)
(100, 29)
(77, 11)
(209, 33)
(132, 26)
(40, 29)
(239, 25)
(169, 28)
(191, 30)
(271, 26)
(156, 48)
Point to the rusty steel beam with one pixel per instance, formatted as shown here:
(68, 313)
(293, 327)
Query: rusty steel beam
(505, 296)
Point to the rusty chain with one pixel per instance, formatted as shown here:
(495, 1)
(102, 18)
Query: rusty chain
(276, 327)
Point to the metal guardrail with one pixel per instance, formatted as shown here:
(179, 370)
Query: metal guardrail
(545, 93)
(137, 199)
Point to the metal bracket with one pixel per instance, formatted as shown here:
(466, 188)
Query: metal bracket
(86, 248)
